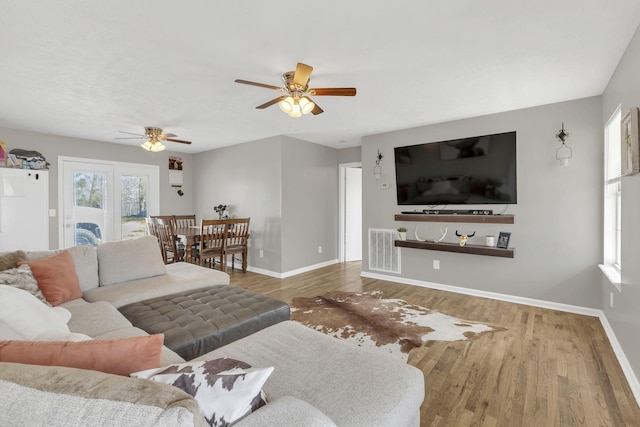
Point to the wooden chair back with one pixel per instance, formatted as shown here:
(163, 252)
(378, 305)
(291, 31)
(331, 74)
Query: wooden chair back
(183, 221)
(237, 240)
(238, 232)
(168, 240)
(213, 233)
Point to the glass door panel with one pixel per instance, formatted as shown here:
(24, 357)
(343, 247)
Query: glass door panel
(134, 190)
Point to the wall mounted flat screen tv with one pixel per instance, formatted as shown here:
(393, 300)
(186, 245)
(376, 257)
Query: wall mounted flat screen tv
(469, 171)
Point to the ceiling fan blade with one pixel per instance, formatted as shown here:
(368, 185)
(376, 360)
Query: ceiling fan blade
(334, 91)
(181, 141)
(247, 82)
(168, 135)
(302, 75)
(317, 110)
(136, 137)
(131, 133)
(270, 103)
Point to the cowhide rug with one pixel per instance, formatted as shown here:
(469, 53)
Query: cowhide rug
(391, 325)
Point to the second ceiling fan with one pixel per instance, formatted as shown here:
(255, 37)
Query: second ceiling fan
(296, 99)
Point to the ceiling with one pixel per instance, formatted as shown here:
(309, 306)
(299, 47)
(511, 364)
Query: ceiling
(89, 69)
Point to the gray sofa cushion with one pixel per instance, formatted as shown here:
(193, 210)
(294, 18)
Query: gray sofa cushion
(58, 396)
(84, 259)
(326, 372)
(127, 260)
(179, 277)
(94, 318)
(286, 411)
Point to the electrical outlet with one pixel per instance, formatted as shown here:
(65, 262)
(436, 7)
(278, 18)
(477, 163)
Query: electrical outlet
(319, 249)
(611, 299)
(384, 185)
(261, 253)
(436, 264)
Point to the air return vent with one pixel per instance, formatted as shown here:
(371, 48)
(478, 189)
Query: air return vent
(383, 255)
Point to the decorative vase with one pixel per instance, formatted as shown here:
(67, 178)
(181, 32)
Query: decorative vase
(490, 240)
(403, 235)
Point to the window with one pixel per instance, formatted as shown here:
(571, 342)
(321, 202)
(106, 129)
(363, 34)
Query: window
(612, 199)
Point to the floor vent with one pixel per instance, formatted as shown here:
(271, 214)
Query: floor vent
(383, 255)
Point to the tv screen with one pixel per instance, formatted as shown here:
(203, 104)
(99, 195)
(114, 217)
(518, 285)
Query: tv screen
(468, 171)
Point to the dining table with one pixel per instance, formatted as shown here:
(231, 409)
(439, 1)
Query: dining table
(190, 235)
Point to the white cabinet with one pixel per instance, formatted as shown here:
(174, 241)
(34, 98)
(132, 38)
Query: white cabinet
(24, 209)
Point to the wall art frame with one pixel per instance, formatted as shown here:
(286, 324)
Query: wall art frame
(630, 144)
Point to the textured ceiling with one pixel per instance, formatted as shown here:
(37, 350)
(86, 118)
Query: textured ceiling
(88, 69)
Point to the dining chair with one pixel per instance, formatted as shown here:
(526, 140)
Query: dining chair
(213, 234)
(237, 240)
(181, 221)
(184, 221)
(171, 251)
(152, 230)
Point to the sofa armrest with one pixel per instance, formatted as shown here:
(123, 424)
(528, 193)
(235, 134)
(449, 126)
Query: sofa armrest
(52, 395)
(286, 411)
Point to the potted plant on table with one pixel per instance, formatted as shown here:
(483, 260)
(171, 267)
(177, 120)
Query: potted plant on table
(402, 232)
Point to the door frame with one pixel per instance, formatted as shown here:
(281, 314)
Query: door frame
(116, 168)
(342, 212)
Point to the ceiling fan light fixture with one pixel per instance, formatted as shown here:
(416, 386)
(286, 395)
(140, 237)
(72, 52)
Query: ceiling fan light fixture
(287, 104)
(147, 145)
(158, 146)
(306, 105)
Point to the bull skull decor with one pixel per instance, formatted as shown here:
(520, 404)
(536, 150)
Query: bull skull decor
(434, 240)
(464, 237)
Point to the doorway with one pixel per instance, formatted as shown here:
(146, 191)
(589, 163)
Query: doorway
(350, 207)
(105, 201)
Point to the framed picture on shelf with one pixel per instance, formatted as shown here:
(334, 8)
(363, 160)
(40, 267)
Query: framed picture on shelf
(630, 145)
(503, 240)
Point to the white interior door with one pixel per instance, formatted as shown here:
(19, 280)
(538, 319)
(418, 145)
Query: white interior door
(105, 201)
(353, 214)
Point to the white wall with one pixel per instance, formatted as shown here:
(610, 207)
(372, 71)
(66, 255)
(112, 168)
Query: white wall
(624, 316)
(557, 219)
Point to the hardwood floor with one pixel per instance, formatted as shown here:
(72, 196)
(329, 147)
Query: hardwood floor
(549, 368)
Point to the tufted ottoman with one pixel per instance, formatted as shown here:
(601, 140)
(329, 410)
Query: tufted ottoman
(198, 321)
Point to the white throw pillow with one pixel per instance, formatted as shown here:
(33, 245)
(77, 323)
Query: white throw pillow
(25, 317)
(225, 389)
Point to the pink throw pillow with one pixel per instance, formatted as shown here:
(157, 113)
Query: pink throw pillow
(119, 356)
(56, 277)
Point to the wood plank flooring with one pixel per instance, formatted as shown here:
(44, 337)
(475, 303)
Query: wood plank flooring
(549, 368)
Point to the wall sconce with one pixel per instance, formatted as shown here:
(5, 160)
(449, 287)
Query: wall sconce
(564, 152)
(377, 169)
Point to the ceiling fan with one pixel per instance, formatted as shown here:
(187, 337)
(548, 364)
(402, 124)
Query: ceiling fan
(153, 137)
(296, 100)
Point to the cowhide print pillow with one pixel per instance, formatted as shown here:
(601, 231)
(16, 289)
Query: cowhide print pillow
(22, 278)
(225, 389)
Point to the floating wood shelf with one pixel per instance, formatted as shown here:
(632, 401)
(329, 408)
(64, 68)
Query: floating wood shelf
(455, 247)
(482, 219)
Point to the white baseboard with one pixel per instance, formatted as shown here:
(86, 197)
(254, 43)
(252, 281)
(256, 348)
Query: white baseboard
(292, 272)
(630, 375)
(632, 379)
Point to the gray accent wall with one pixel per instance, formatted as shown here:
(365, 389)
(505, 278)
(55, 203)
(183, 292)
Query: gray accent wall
(245, 177)
(557, 230)
(624, 317)
(52, 146)
(275, 181)
(309, 204)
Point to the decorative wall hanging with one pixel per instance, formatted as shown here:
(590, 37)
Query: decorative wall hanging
(630, 144)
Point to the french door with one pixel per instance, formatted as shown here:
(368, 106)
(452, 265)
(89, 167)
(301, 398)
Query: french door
(105, 201)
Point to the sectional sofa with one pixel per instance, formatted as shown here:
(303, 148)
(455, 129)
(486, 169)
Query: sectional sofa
(302, 377)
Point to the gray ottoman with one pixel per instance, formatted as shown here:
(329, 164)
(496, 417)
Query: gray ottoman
(198, 321)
